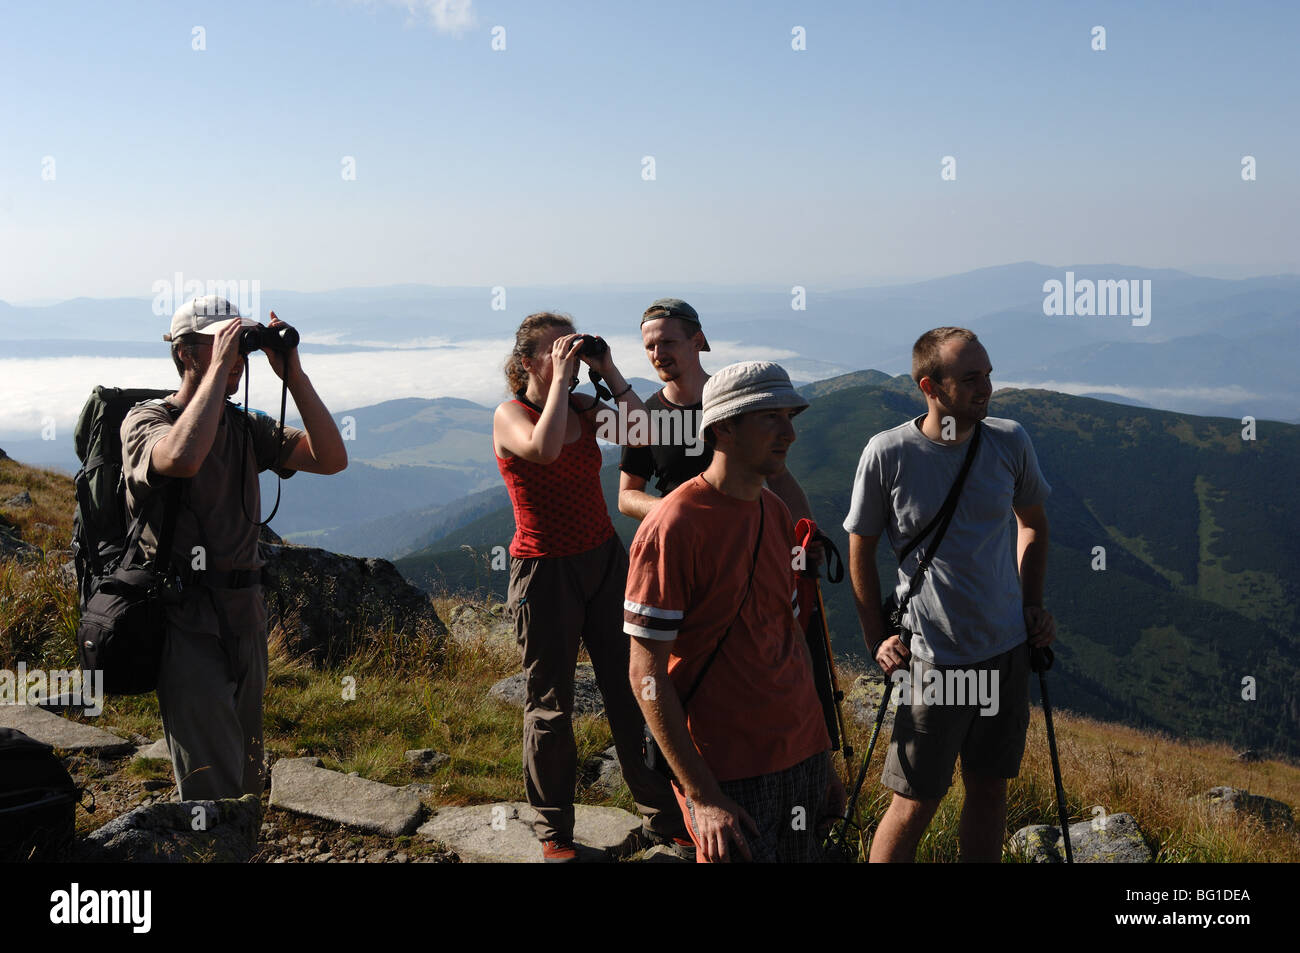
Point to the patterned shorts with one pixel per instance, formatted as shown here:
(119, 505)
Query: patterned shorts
(785, 805)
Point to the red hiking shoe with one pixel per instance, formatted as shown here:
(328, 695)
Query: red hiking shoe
(559, 852)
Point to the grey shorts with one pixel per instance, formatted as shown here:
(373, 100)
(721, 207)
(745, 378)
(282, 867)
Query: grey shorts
(941, 722)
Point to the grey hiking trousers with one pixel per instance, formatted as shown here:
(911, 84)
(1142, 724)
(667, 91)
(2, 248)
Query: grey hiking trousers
(210, 693)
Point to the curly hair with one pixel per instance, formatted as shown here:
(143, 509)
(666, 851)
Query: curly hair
(530, 332)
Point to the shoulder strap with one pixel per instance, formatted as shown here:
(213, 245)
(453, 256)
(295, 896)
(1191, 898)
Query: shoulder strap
(762, 517)
(942, 518)
(949, 502)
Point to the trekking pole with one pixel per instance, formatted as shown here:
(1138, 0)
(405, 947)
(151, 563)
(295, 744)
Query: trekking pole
(1040, 660)
(845, 747)
(840, 844)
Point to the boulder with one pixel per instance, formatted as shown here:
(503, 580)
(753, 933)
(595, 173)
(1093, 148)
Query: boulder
(19, 501)
(328, 603)
(1106, 839)
(1225, 801)
(472, 624)
(862, 698)
(165, 832)
(602, 773)
(301, 785)
(426, 760)
(158, 749)
(12, 544)
(63, 734)
(505, 833)
(586, 696)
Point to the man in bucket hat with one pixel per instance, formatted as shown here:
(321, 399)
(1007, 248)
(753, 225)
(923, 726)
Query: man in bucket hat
(718, 663)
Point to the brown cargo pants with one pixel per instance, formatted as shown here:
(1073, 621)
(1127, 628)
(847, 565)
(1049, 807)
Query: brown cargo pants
(557, 602)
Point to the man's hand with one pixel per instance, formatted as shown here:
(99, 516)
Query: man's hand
(891, 655)
(719, 823)
(282, 362)
(1040, 626)
(225, 350)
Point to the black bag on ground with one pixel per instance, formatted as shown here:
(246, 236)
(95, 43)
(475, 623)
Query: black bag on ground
(38, 800)
(123, 599)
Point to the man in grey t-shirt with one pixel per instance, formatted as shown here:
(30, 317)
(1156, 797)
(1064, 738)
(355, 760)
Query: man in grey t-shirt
(967, 624)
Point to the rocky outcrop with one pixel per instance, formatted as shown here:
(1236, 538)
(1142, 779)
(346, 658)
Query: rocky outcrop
(327, 603)
(222, 831)
(1226, 801)
(19, 501)
(12, 544)
(1106, 839)
(587, 699)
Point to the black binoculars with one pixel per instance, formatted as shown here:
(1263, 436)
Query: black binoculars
(261, 338)
(592, 346)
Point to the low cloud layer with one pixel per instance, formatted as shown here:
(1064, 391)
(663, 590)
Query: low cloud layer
(40, 388)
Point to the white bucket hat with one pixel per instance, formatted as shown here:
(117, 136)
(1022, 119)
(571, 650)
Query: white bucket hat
(745, 387)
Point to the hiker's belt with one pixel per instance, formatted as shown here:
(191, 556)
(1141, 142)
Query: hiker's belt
(223, 579)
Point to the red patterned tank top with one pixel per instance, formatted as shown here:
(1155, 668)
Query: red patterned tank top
(559, 508)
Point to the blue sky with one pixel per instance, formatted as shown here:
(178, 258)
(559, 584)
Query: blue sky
(523, 166)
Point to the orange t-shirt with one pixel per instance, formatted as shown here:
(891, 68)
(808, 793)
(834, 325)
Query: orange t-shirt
(757, 710)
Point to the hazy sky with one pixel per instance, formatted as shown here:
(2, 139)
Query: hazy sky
(525, 165)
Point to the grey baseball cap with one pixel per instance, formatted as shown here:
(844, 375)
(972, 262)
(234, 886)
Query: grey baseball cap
(209, 314)
(745, 387)
(674, 308)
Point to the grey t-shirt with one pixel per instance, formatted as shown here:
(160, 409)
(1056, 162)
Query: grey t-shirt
(968, 608)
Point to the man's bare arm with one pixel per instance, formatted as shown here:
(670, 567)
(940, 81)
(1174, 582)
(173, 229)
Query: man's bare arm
(891, 653)
(1031, 555)
(181, 452)
(633, 501)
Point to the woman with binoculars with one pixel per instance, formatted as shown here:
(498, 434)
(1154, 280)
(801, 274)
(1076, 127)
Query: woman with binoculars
(568, 570)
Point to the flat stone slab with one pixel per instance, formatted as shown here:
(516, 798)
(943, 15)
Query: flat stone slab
(302, 786)
(587, 699)
(62, 733)
(504, 833)
(1106, 839)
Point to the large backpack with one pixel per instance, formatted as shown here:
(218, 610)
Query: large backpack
(99, 528)
(37, 800)
(123, 600)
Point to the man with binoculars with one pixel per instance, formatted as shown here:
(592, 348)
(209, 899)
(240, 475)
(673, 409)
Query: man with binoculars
(213, 670)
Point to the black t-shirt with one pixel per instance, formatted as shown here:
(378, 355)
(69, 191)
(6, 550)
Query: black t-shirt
(669, 464)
